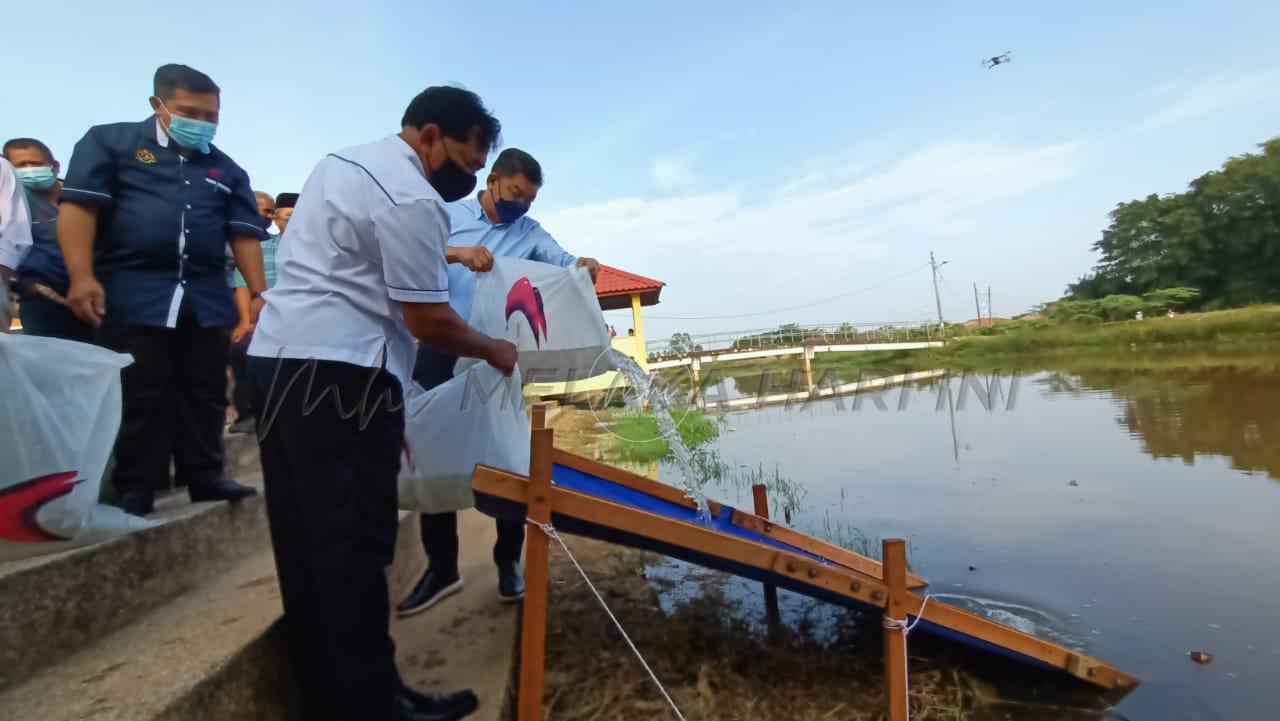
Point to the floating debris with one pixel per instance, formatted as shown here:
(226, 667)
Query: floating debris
(1073, 482)
(1200, 657)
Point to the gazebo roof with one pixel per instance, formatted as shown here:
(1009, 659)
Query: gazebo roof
(614, 287)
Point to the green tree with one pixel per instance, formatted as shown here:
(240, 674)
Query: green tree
(1220, 237)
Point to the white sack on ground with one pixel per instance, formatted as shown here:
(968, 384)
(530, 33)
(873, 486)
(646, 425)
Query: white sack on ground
(550, 313)
(59, 414)
(476, 417)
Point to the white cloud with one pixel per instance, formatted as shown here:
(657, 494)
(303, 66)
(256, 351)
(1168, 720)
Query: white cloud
(1215, 95)
(833, 229)
(672, 173)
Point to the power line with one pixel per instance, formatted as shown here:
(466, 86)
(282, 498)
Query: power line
(794, 307)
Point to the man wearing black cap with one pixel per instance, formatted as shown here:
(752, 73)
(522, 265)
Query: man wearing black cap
(240, 337)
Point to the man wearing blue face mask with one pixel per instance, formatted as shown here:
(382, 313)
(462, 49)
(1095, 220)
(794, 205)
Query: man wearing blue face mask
(148, 210)
(42, 276)
(493, 223)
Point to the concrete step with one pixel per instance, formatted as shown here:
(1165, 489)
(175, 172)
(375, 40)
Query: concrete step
(52, 606)
(187, 658)
(217, 652)
(182, 621)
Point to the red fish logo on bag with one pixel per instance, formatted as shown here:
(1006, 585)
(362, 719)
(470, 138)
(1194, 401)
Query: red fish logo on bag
(20, 503)
(525, 298)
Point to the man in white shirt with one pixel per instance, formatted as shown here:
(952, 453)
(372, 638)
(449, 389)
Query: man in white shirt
(15, 234)
(360, 274)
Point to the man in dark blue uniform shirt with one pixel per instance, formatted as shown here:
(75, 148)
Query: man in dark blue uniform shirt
(42, 277)
(148, 209)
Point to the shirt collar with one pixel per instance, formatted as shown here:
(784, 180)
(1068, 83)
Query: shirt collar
(161, 136)
(405, 149)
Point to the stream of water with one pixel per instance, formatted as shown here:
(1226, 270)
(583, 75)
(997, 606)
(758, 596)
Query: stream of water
(657, 400)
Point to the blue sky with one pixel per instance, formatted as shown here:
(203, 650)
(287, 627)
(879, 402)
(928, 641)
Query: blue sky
(752, 155)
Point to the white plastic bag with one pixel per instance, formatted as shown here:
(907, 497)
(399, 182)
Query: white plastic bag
(59, 414)
(550, 313)
(475, 417)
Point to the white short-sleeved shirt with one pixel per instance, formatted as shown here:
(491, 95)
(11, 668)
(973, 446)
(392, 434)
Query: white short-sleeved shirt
(368, 233)
(15, 220)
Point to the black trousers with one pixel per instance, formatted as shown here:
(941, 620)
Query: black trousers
(330, 436)
(175, 403)
(49, 319)
(440, 530)
(240, 397)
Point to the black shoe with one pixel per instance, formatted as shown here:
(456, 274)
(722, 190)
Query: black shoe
(244, 425)
(428, 591)
(220, 489)
(510, 582)
(137, 503)
(418, 706)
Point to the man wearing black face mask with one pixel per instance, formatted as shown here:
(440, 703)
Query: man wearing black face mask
(361, 273)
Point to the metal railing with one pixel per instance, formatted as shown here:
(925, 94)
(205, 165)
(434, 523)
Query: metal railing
(789, 336)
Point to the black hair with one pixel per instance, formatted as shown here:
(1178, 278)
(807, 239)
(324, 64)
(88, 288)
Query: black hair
(173, 77)
(514, 161)
(28, 143)
(286, 200)
(457, 111)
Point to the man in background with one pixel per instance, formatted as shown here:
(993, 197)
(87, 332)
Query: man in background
(148, 210)
(493, 223)
(42, 276)
(281, 210)
(15, 235)
(266, 207)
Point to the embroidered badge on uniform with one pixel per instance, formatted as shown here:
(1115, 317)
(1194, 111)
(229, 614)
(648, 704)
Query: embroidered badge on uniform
(145, 156)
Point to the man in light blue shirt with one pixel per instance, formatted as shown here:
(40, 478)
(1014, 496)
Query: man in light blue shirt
(494, 223)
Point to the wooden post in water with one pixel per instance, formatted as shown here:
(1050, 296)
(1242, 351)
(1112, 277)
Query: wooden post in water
(894, 559)
(533, 621)
(760, 494)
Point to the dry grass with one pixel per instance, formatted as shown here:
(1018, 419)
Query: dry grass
(714, 665)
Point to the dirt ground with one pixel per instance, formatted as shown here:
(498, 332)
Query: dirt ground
(721, 662)
(714, 664)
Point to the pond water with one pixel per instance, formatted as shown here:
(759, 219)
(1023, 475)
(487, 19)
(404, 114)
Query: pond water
(1134, 514)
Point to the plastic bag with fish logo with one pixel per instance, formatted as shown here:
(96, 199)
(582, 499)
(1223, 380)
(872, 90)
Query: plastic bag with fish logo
(550, 313)
(476, 417)
(58, 423)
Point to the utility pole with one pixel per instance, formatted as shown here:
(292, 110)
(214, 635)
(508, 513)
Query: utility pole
(937, 297)
(976, 305)
(989, 305)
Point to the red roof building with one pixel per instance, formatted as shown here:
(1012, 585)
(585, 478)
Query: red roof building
(614, 288)
(618, 289)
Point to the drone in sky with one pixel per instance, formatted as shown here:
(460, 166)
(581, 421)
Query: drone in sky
(991, 62)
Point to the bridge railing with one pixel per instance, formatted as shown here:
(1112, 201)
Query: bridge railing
(791, 336)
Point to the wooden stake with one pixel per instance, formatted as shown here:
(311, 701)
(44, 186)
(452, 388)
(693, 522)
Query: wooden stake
(760, 493)
(894, 558)
(533, 622)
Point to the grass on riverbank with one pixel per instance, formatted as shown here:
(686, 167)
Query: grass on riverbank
(638, 439)
(1217, 334)
(1260, 324)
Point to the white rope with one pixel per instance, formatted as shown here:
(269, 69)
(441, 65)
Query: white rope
(550, 530)
(893, 623)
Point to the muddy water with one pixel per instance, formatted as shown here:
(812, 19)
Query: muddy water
(1134, 514)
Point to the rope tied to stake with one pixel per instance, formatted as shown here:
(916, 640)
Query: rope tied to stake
(906, 628)
(550, 530)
